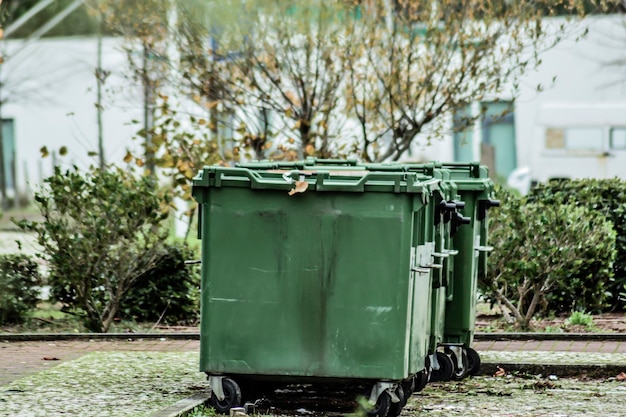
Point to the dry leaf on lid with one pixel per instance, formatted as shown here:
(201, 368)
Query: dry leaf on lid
(301, 186)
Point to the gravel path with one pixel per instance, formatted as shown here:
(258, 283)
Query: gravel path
(521, 397)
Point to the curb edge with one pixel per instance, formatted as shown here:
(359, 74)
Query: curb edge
(184, 406)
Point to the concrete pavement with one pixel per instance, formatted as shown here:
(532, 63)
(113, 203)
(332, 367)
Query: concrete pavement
(21, 358)
(581, 356)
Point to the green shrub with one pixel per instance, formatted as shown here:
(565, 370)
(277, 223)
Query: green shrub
(169, 292)
(580, 318)
(101, 231)
(543, 256)
(19, 282)
(607, 198)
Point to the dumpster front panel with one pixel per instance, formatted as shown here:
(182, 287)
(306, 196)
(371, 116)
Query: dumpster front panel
(311, 285)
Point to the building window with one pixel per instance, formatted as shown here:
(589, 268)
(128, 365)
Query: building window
(574, 138)
(618, 138)
(7, 160)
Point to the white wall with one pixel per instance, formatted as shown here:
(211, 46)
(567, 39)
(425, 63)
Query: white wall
(51, 95)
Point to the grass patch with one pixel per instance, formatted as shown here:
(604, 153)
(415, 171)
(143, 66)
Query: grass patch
(202, 411)
(49, 318)
(49, 311)
(581, 319)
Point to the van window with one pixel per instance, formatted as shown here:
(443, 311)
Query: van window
(583, 138)
(618, 138)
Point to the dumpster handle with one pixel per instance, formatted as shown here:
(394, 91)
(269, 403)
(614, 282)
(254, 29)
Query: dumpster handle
(193, 262)
(421, 270)
(434, 266)
(288, 176)
(484, 248)
(322, 161)
(484, 205)
(452, 252)
(440, 255)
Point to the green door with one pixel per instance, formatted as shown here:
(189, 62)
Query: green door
(498, 131)
(463, 136)
(8, 154)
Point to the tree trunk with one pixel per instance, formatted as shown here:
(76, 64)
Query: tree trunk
(148, 110)
(514, 310)
(3, 179)
(305, 136)
(110, 312)
(537, 293)
(99, 107)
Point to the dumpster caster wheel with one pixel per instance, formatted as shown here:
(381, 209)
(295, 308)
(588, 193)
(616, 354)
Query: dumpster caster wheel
(459, 374)
(446, 368)
(232, 397)
(408, 386)
(473, 361)
(381, 408)
(421, 380)
(396, 408)
(250, 391)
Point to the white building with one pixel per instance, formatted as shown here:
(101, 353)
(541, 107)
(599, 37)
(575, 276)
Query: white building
(49, 96)
(575, 128)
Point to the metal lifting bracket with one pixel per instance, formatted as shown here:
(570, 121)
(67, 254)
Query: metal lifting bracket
(381, 387)
(215, 382)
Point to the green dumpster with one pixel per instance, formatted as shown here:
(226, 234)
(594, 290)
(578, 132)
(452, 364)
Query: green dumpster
(446, 222)
(313, 275)
(469, 245)
(476, 191)
(439, 260)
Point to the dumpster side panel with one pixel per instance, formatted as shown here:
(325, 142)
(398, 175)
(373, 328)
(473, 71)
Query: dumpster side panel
(421, 289)
(305, 285)
(461, 311)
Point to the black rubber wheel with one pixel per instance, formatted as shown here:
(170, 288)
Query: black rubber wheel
(232, 397)
(473, 361)
(408, 387)
(421, 380)
(446, 368)
(382, 406)
(251, 391)
(459, 374)
(396, 408)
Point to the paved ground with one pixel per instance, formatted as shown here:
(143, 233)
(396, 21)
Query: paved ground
(552, 346)
(18, 359)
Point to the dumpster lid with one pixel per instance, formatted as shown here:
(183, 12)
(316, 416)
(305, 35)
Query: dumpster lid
(315, 179)
(334, 172)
